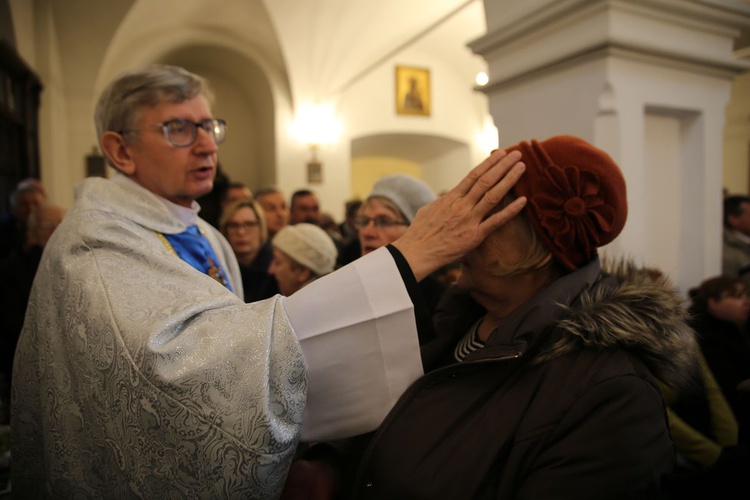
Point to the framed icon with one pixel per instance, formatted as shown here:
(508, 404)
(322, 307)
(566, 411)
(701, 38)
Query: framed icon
(314, 172)
(412, 91)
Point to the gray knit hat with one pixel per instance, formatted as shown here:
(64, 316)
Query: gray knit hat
(406, 192)
(309, 245)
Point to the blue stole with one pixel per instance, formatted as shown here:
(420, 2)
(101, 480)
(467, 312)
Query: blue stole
(192, 247)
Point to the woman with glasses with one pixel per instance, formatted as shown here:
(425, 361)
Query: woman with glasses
(244, 226)
(384, 217)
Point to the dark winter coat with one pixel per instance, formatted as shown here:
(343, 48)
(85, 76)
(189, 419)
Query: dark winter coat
(256, 282)
(561, 403)
(728, 356)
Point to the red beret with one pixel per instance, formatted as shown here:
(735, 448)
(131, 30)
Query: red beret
(576, 196)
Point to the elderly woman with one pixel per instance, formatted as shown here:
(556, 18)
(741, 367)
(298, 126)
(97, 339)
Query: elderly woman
(244, 226)
(542, 381)
(301, 253)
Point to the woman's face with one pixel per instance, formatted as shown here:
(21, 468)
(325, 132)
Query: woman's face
(733, 306)
(372, 237)
(496, 257)
(243, 232)
(288, 274)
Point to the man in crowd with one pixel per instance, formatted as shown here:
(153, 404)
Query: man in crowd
(139, 373)
(235, 191)
(29, 193)
(274, 208)
(304, 207)
(736, 238)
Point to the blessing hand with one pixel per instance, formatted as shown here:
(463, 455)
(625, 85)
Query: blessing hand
(455, 223)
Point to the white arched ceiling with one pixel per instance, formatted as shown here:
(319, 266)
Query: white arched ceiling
(329, 43)
(302, 49)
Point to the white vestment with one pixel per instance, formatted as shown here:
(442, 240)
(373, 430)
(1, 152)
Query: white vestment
(138, 376)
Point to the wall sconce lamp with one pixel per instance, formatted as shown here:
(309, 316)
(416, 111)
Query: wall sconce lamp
(316, 125)
(488, 137)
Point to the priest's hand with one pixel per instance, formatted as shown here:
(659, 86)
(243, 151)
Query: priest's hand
(458, 221)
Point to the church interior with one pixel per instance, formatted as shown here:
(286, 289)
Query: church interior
(331, 96)
(311, 90)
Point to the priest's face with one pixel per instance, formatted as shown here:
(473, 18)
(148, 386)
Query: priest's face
(178, 174)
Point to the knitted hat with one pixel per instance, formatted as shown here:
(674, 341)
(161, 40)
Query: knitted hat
(309, 245)
(406, 192)
(576, 196)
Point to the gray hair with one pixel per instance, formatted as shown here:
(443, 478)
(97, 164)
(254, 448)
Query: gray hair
(29, 184)
(120, 103)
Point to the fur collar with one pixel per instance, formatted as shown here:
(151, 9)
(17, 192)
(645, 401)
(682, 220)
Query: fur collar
(643, 314)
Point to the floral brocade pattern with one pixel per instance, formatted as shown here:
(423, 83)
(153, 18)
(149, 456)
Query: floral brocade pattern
(149, 380)
(571, 208)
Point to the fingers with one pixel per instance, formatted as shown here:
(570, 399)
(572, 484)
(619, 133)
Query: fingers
(477, 172)
(497, 192)
(491, 176)
(458, 221)
(494, 221)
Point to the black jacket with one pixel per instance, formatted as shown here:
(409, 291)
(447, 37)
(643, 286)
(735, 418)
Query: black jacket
(561, 403)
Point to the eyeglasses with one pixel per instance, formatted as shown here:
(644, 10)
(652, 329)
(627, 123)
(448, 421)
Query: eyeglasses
(379, 222)
(182, 133)
(236, 226)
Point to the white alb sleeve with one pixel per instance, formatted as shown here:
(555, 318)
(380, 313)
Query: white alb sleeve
(358, 335)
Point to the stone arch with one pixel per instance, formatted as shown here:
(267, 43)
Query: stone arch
(439, 161)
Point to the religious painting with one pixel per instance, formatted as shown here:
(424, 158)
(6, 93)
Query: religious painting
(314, 172)
(412, 91)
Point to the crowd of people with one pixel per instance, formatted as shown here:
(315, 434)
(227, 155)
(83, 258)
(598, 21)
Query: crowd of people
(187, 337)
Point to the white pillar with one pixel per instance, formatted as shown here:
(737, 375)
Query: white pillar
(647, 81)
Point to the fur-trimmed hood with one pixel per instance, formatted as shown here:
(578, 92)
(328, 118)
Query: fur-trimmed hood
(642, 314)
(631, 309)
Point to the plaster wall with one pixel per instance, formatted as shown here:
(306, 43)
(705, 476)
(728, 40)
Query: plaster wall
(22, 14)
(338, 57)
(648, 98)
(458, 114)
(38, 44)
(367, 170)
(736, 165)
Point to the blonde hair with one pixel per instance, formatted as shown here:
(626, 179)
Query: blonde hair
(232, 208)
(536, 254)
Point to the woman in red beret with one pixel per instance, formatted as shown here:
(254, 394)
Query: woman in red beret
(542, 381)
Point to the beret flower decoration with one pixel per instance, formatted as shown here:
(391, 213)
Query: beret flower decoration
(571, 208)
(577, 198)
